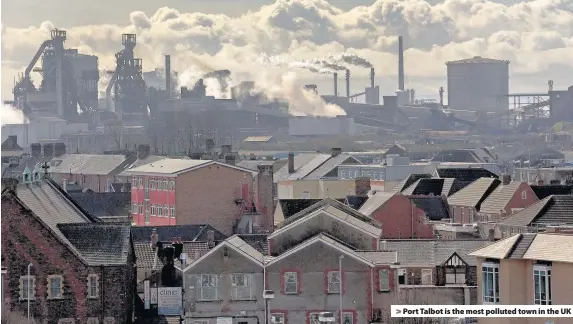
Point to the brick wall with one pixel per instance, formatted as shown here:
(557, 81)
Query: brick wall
(25, 240)
(207, 196)
(402, 219)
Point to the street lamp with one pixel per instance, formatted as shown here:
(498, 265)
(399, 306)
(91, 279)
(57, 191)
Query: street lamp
(267, 295)
(341, 285)
(28, 295)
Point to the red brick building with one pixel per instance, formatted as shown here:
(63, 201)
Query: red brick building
(177, 192)
(466, 203)
(71, 278)
(404, 217)
(505, 200)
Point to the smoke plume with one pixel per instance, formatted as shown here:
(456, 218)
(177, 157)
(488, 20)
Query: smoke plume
(302, 102)
(11, 115)
(353, 59)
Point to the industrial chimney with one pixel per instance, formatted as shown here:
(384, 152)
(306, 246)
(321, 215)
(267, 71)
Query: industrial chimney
(400, 63)
(348, 83)
(168, 76)
(335, 84)
(372, 74)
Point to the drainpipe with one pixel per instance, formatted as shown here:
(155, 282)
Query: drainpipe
(371, 293)
(266, 300)
(412, 219)
(102, 294)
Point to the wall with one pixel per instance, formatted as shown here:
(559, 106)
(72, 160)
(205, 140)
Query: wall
(41, 129)
(373, 172)
(516, 288)
(216, 263)
(156, 197)
(461, 214)
(515, 202)
(436, 295)
(400, 218)
(317, 189)
(207, 196)
(25, 240)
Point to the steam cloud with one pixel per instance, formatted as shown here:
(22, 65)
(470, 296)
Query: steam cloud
(11, 115)
(536, 36)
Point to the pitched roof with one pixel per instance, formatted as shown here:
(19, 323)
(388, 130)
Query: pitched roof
(88, 164)
(545, 191)
(328, 241)
(499, 198)
(186, 233)
(304, 163)
(432, 252)
(330, 165)
(291, 207)
(408, 181)
(257, 241)
(105, 244)
(176, 166)
(254, 164)
(263, 139)
(464, 174)
(147, 259)
(466, 155)
(434, 207)
(475, 193)
(324, 204)
(433, 186)
(356, 202)
(103, 203)
(547, 247)
(11, 144)
(375, 201)
(553, 210)
(139, 162)
(236, 243)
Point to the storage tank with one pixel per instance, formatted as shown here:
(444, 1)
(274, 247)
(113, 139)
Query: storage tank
(321, 126)
(478, 84)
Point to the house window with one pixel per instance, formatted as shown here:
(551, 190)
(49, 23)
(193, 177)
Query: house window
(108, 187)
(278, 318)
(55, 286)
(524, 195)
(542, 284)
(402, 278)
(241, 284)
(165, 185)
(426, 276)
(490, 283)
(347, 318)
(27, 287)
(158, 183)
(92, 320)
(384, 280)
(109, 320)
(455, 276)
(93, 286)
(141, 208)
(172, 212)
(314, 318)
(134, 182)
(333, 282)
(305, 195)
(140, 182)
(172, 185)
(291, 282)
(152, 186)
(134, 208)
(208, 287)
(153, 210)
(165, 211)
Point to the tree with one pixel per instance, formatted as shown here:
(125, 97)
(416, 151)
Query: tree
(114, 129)
(14, 317)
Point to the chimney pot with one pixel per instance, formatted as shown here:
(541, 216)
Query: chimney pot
(290, 162)
(505, 179)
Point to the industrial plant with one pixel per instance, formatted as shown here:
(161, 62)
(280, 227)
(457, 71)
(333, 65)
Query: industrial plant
(65, 106)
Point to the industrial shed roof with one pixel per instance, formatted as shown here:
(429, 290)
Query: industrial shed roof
(478, 60)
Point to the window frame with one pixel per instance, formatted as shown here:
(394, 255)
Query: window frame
(402, 273)
(490, 268)
(286, 283)
(425, 274)
(337, 284)
(524, 195)
(542, 271)
(310, 317)
(172, 210)
(215, 287)
(58, 278)
(384, 274)
(31, 288)
(344, 314)
(278, 314)
(93, 283)
(238, 292)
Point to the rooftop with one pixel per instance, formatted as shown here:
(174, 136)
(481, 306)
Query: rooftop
(474, 194)
(88, 164)
(168, 166)
(553, 210)
(477, 60)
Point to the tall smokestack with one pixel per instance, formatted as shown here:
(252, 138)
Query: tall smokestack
(372, 74)
(168, 75)
(400, 63)
(335, 84)
(347, 83)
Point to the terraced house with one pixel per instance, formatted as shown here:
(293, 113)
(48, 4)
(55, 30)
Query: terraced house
(68, 267)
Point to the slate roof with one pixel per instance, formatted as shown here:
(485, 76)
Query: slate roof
(434, 207)
(147, 256)
(375, 201)
(409, 181)
(553, 247)
(553, 210)
(356, 202)
(257, 241)
(25, 161)
(474, 194)
(432, 252)
(499, 198)
(291, 207)
(330, 164)
(545, 191)
(89, 164)
(140, 162)
(103, 203)
(468, 156)
(186, 233)
(106, 244)
(465, 175)
(433, 186)
(254, 164)
(11, 144)
(312, 166)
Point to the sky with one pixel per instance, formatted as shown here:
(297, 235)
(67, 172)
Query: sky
(536, 36)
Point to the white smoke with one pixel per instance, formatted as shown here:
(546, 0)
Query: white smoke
(11, 115)
(286, 87)
(213, 86)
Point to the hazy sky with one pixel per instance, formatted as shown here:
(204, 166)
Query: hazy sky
(536, 36)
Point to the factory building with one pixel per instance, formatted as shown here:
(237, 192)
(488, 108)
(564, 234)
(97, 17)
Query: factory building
(478, 84)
